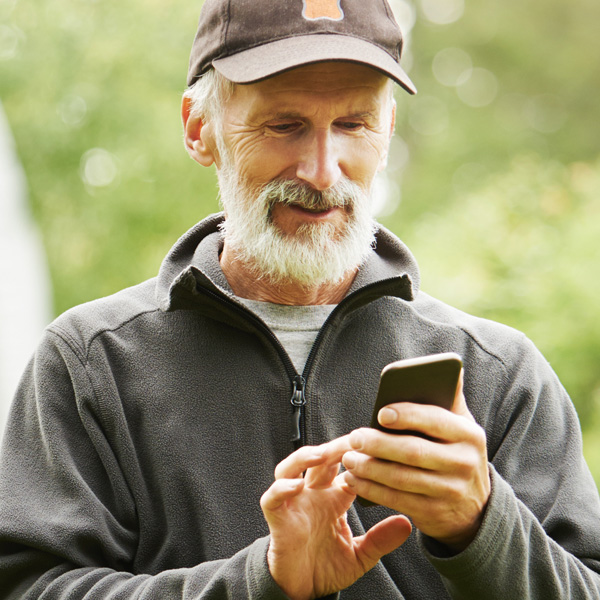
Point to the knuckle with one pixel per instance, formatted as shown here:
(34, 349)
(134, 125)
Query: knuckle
(370, 490)
(399, 480)
(454, 493)
(362, 487)
(361, 438)
(363, 465)
(480, 437)
(477, 435)
(388, 497)
(414, 451)
(404, 479)
(265, 499)
(468, 461)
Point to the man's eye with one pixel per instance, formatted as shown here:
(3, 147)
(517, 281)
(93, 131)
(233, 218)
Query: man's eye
(350, 125)
(284, 127)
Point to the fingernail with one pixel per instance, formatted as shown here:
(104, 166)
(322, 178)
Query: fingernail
(349, 460)
(388, 416)
(350, 479)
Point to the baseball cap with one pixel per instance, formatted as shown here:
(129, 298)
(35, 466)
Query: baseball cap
(251, 40)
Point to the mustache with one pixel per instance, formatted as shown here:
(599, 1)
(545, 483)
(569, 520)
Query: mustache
(290, 191)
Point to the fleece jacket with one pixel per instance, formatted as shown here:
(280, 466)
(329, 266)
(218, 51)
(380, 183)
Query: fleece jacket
(149, 423)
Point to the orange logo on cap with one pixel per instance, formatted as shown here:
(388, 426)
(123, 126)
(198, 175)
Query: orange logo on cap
(323, 9)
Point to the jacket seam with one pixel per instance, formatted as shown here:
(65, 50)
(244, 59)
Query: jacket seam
(67, 339)
(460, 328)
(86, 348)
(479, 344)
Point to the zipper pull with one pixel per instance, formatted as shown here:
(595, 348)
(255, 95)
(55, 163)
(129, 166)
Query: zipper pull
(298, 401)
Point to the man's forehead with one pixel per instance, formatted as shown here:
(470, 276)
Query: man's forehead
(356, 89)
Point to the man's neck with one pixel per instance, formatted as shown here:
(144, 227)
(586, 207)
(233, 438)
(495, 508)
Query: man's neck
(245, 284)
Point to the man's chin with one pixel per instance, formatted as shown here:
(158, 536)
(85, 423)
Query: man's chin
(311, 257)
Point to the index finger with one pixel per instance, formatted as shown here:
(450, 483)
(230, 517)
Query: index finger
(323, 475)
(299, 461)
(306, 457)
(335, 449)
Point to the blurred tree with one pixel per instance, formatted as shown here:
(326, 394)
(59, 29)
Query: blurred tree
(92, 90)
(522, 249)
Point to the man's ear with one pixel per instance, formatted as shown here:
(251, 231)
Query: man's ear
(198, 136)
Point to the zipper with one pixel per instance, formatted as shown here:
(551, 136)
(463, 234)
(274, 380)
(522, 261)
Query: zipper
(298, 399)
(298, 402)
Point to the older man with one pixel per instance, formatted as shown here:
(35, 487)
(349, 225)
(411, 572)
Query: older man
(139, 458)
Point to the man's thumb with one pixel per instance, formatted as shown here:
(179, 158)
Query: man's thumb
(381, 539)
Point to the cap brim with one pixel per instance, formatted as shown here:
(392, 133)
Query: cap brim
(282, 55)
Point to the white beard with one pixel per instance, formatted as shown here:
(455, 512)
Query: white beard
(317, 253)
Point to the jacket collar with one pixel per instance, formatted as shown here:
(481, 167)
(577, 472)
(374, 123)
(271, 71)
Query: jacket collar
(194, 262)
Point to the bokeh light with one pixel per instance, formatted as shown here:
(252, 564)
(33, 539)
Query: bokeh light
(98, 168)
(479, 88)
(452, 66)
(442, 12)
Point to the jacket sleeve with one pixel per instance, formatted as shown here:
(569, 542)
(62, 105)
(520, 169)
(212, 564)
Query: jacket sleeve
(541, 531)
(68, 522)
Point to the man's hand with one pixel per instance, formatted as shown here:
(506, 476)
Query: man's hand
(441, 483)
(312, 552)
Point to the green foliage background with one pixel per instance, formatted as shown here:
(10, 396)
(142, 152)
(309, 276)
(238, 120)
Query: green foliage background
(499, 199)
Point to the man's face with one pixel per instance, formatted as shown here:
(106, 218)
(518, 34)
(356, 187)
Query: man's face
(297, 159)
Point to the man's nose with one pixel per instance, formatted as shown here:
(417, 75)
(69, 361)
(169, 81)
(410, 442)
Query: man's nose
(319, 163)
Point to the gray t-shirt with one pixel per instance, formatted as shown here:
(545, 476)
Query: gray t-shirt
(296, 327)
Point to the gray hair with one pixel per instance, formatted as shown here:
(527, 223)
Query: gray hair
(209, 94)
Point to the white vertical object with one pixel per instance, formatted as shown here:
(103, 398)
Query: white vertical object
(25, 302)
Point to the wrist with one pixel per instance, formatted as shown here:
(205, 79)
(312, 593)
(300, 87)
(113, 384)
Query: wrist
(290, 580)
(460, 541)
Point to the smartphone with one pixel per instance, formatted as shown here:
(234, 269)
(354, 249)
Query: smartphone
(429, 379)
(426, 380)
